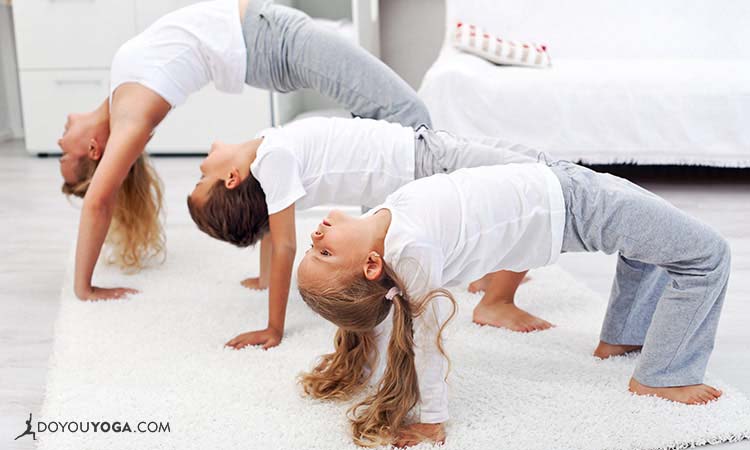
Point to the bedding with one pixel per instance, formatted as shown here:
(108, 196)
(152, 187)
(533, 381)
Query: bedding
(600, 111)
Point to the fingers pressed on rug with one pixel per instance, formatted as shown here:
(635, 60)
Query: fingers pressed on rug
(266, 338)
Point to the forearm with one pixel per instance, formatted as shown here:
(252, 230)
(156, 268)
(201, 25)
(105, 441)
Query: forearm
(92, 231)
(265, 261)
(282, 260)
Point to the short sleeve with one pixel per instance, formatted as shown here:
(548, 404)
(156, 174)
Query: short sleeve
(279, 174)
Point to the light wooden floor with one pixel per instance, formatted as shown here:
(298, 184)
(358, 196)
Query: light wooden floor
(37, 225)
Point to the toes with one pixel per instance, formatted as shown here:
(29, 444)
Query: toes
(704, 397)
(707, 393)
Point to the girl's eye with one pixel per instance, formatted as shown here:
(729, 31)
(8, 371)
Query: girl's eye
(325, 253)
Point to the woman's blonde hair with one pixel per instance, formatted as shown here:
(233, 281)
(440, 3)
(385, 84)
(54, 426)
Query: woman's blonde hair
(136, 234)
(357, 307)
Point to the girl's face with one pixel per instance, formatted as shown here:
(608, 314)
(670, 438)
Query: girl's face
(76, 145)
(339, 244)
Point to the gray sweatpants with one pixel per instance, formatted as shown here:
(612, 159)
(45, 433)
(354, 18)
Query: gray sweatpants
(671, 278)
(443, 152)
(287, 51)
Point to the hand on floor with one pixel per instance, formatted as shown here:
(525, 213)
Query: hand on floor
(266, 338)
(97, 293)
(419, 432)
(254, 283)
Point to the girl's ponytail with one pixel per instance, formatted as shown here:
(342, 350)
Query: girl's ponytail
(135, 234)
(379, 416)
(357, 307)
(343, 373)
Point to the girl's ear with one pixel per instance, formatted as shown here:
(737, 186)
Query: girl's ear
(373, 267)
(94, 150)
(233, 179)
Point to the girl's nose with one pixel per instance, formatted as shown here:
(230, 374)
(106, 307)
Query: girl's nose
(316, 235)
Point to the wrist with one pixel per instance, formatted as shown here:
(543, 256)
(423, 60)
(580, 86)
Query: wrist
(275, 328)
(83, 292)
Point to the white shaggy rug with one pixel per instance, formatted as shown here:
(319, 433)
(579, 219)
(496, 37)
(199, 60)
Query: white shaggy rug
(160, 357)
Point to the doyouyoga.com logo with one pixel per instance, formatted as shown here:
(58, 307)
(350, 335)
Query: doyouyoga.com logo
(102, 426)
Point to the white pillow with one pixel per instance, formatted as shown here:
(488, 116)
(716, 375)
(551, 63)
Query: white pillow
(471, 39)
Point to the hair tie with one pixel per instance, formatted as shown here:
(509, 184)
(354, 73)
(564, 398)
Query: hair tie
(392, 292)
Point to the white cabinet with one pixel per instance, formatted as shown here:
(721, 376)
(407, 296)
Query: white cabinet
(49, 95)
(70, 34)
(209, 115)
(65, 48)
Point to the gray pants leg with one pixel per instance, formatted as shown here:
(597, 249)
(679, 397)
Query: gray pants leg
(636, 290)
(671, 276)
(442, 152)
(515, 147)
(287, 51)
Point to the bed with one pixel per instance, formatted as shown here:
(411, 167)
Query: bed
(630, 82)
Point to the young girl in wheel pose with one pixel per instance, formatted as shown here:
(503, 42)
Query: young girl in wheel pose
(249, 192)
(671, 278)
(229, 43)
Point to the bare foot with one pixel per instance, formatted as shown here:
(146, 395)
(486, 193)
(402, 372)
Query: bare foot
(694, 394)
(510, 316)
(253, 283)
(604, 350)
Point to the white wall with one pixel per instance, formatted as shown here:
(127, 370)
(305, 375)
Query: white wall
(411, 34)
(11, 125)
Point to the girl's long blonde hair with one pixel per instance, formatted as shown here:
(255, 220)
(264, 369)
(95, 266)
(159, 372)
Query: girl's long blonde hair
(136, 234)
(357, 307)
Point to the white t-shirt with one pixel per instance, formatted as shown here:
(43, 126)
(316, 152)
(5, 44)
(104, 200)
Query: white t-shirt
(321, 160)
(185, 50)
(450, 229)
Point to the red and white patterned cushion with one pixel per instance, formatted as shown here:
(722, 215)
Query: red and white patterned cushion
(475, 40)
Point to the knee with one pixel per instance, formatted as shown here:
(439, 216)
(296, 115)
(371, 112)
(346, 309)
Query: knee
(725, 252)
(721, 254)
(419, 114)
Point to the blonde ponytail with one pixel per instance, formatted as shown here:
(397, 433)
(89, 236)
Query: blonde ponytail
(343, 373)
(359, 306)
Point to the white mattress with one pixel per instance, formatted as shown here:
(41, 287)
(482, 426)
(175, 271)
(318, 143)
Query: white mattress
(600, 111)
